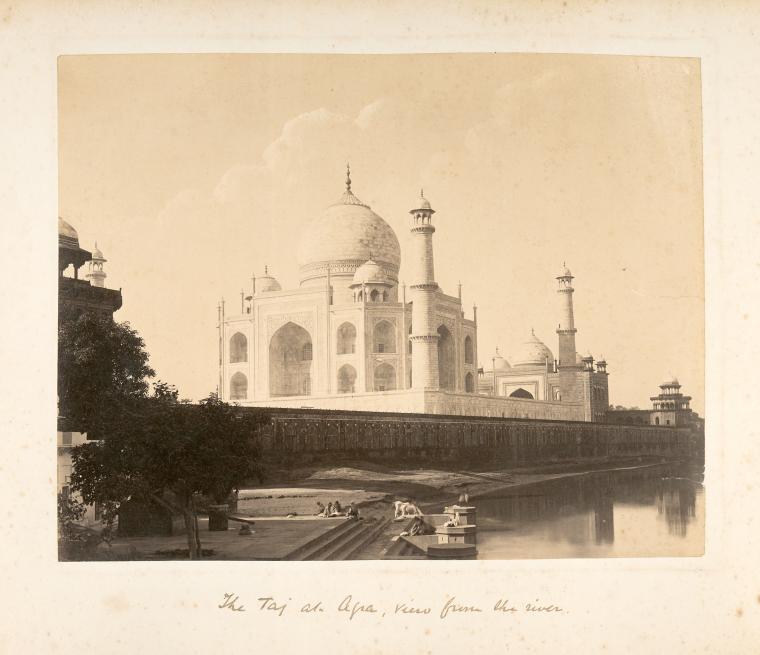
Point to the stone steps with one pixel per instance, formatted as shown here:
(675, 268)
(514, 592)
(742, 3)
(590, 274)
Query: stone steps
(316, 545)
(341, 547)
(359, 541)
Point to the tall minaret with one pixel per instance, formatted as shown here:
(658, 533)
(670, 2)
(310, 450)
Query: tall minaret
(96, 274)
(566, 328)
(423, 288)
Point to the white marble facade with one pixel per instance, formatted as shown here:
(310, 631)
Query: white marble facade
(346, 338)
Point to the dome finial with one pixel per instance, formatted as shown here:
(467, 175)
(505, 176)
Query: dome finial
(348, 177)
(422, 193)
(266, 269)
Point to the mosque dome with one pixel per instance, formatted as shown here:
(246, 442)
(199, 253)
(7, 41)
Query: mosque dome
(267, 283)
(532, 352)
(342, 238)
(67, 235)
(370, 273)
(499, 363)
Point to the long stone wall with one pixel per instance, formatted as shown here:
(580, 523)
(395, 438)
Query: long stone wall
(434, 402)
(312, 433)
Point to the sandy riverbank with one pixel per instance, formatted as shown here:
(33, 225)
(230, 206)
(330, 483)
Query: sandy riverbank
(374, 487)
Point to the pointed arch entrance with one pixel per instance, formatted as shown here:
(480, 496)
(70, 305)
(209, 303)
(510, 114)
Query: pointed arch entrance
(290, 357)
(522, 393)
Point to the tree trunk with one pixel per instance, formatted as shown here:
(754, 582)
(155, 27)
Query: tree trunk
(191, 527)
(199, 550)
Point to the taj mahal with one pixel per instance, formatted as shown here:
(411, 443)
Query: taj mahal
(352, 337)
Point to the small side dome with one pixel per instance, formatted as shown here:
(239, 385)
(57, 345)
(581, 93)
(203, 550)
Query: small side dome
(499, 363)
(532, 352)
(578, 358)
(370, 273)
(267, 283)
(67, 235)
(671, 381)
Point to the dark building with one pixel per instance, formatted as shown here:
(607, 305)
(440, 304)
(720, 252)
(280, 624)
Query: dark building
(77, 295)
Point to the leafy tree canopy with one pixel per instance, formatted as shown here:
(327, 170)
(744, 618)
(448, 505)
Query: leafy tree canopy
(164, 450)
(100, 364)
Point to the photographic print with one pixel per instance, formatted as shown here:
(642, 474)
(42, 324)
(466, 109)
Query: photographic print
(380, 307)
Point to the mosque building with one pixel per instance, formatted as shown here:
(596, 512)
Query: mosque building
(351, 337)
(77, 296)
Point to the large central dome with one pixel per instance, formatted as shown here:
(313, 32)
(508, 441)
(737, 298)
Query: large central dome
(345, 236)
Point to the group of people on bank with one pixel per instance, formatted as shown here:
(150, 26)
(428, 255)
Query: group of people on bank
(333, 510)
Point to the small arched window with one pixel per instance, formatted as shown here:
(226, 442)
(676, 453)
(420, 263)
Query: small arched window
(469, 356)
(374, 295)
(238, 348)
(656, 420)
(306, 352)
(385, 296)
(238, 387)
(469, 383)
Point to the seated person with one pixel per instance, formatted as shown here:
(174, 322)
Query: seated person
(329, 509)
(352, 512)
(321, 509)
(418, 527)
(337, 510)
(452, 522)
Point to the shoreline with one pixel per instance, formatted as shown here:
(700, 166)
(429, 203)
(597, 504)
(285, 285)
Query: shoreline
(373, 488)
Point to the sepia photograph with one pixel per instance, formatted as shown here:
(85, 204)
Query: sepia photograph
(331, 307)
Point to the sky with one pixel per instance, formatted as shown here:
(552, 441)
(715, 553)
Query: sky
(194, 171)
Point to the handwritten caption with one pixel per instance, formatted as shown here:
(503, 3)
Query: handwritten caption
(350, 608)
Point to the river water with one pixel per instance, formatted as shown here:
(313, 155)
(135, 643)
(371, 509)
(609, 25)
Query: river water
(647, 512)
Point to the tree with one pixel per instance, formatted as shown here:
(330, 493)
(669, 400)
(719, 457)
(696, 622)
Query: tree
(161, 449)
(100, 365)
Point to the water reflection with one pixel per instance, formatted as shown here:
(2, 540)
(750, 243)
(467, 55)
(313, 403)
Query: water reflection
(638, 512)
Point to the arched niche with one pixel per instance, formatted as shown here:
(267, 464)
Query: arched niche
(290, 358)
(385, 377)
(238, 386)
(346, 379)
(238, 348)
(346, 339)
(446, 364)
(384, 337)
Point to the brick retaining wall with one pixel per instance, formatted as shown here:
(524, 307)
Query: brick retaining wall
(359, 434)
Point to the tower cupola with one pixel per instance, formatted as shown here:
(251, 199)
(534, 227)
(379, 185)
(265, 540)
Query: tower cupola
(96, 275)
